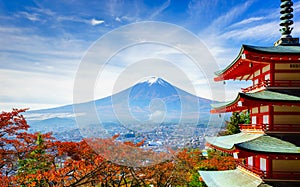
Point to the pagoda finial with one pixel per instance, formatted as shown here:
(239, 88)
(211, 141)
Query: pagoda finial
(286, 18)
(286, 38)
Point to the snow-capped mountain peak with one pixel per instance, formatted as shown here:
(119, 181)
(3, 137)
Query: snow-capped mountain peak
(153, 80)
(140, 102)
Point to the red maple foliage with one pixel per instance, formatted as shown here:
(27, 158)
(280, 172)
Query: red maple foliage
(40, 160)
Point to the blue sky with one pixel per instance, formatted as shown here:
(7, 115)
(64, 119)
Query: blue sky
(42, 42)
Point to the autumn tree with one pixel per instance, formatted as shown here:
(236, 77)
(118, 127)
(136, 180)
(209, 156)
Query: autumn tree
(81, 165)
(40, 160)
(187, 161)
(32, 169)
(11, 126)
(217, 161)
(178, 170)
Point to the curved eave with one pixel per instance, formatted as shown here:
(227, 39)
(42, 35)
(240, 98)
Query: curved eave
(230, 178)
(220, 74)
(264, 96)
(227, 143)
(269, 144)
(271, 96)
(243, 63)
(252, 142)
(226, 150)
(293, 50)
(229, 106)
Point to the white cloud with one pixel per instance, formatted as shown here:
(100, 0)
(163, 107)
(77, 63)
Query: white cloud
(113, 6)
(118, 19)
(43, 116)
(56, 58)
(263, 31)
(160, 9)
(36, 14)
(225, 36)
(29, 16)
(96, 22)
(79, 20)
(197, 9)
(157, 116)
(29, 89)
(153, 60)
(247, 21)
(223, 21)
(38, 71)
(41, 11)
(24, 40)
(296, 7)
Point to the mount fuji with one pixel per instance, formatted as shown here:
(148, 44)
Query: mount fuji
(151, 101)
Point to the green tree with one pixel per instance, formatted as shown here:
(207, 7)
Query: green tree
(233, 124)
(235, 120)
(32, 167)
(195, 181)
(244, 118)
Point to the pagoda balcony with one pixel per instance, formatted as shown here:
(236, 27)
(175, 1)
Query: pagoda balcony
(275, 175)
(292, 128)
(278, 83)
(254, 127)
(249, 168)
(260, 85)
(285, 83)
(286, 175)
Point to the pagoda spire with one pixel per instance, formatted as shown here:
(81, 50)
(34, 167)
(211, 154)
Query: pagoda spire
(286, 18)
(286, 38)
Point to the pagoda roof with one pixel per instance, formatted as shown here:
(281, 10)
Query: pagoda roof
(261, 96)
(294, 92)
(228, 142)
(271, 96)
(228, 106)
(270, 144)
(231, 178)
(274, 49)
(254, 142)
(243, 61)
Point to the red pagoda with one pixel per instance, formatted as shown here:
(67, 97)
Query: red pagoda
(267, 150)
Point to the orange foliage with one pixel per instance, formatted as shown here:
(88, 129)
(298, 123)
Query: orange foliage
(217, 161)
(91, 162)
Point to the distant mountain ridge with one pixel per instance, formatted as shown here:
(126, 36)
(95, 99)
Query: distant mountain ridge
(150, 101)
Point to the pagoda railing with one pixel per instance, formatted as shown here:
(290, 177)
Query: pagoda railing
(284, 83)
(267, 127)
(254, 127)
(276, 83)
(286, 128)
(250, 168)
(286, 175)
(254, 87)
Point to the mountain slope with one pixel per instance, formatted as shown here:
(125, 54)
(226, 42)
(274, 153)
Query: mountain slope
(151, 101)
